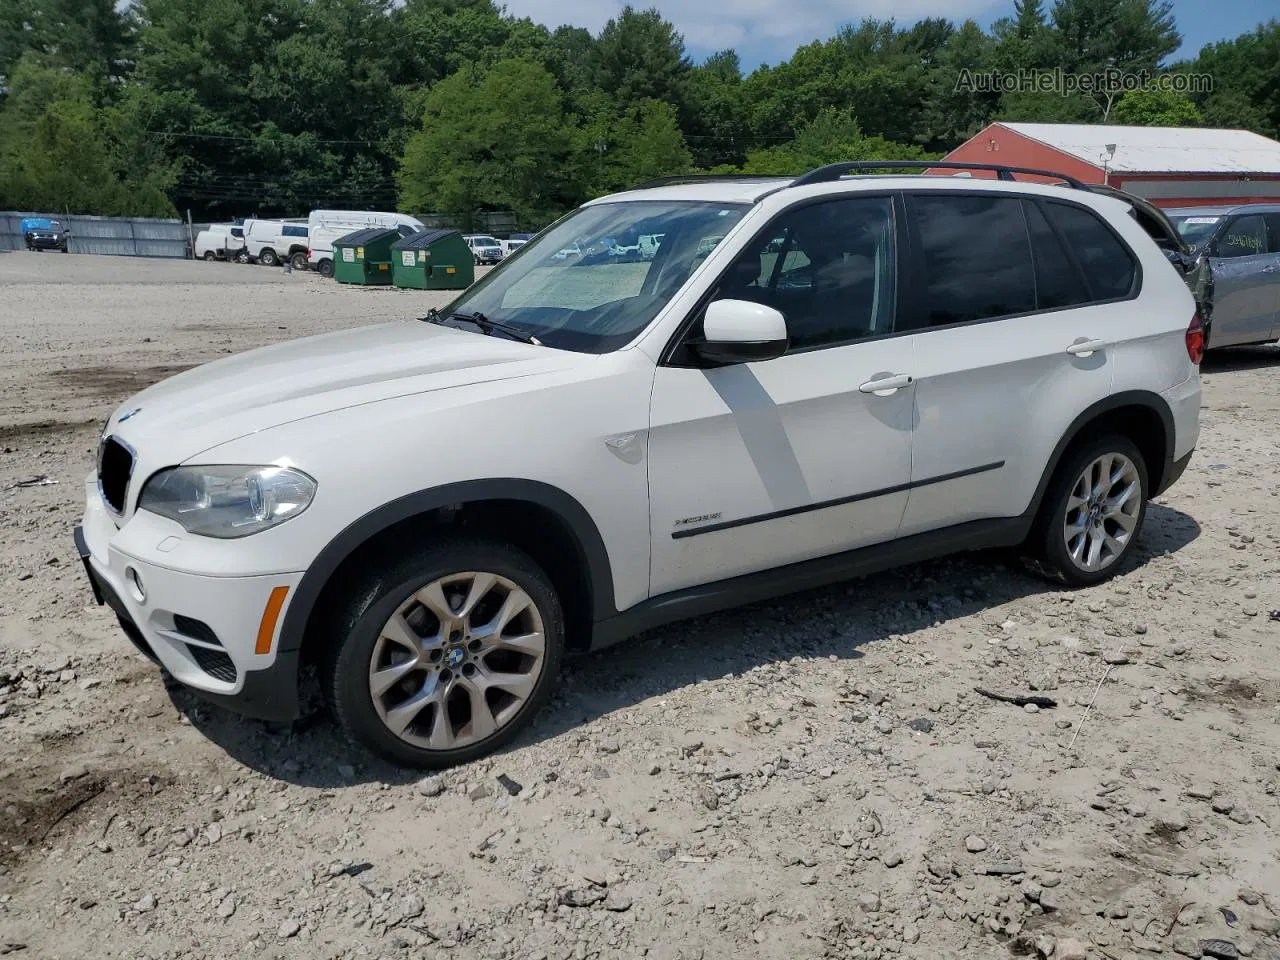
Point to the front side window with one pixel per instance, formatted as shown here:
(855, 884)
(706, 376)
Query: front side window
(571, 290)
(1107, 263)
(977, 258)
(828, 267)
(1245, 237)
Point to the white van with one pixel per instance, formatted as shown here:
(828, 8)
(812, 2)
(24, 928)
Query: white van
(355, 219)
(320, 249)
(270, 242)
(221, 241)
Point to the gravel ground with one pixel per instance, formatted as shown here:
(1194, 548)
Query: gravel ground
(812, 777)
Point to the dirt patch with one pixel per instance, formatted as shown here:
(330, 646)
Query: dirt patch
(33, 804)
(1232, 691)
(42, 428)
(115, 382)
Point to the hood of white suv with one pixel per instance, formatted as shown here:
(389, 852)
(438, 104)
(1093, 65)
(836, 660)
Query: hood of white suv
(242, 394)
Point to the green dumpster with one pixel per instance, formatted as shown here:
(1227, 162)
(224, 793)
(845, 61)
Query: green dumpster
(433, 260)
(364, 256)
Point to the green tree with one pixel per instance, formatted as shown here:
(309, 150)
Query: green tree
(717, 106)
(647, 143)
(1245, 75)
(831, 137)
(1156, 108)
(1118, 35)
(640, 56)
(497, 141)
(61, 153)
(84, 36)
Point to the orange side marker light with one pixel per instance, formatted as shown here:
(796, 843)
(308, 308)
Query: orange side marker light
(267, 629)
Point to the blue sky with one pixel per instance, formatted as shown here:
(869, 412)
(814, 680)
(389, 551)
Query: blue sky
(766, 31)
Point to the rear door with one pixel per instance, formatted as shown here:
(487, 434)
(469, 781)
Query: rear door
(1008, 348)
(1243, 266)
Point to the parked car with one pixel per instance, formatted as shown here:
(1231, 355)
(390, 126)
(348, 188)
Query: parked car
(271, 242)
(435, 514)
(484, 248)
(220, 241)
(514, 243)
(41, 233)
(1240, 248)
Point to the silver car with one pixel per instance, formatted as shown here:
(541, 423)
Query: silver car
(1241, 245)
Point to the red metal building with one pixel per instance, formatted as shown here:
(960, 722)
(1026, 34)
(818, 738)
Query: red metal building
(1171, 166)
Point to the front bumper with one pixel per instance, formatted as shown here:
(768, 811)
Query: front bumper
(203, 630)
(46, 243)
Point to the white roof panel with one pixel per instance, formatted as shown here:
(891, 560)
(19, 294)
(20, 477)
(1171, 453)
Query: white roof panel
(1159, 149)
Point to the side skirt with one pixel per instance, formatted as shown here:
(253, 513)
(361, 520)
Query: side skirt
(809, 574)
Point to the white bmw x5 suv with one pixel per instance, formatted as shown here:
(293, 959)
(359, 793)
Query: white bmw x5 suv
(805, 381)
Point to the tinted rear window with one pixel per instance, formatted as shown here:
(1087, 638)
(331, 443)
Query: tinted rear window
(977, 257)
(1108, 264)
(1058, 284)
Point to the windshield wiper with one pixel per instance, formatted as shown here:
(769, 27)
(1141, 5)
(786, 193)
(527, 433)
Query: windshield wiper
(489, 326)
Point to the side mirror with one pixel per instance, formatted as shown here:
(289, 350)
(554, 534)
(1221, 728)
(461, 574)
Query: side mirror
(739, 331)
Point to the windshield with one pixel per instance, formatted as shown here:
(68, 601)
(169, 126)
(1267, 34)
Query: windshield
(1196, 230)
(589, 283)
(484, 241)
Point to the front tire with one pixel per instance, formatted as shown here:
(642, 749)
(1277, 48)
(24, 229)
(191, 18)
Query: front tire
(446, 655)
(325, 268)
(210, 256)
(268, 257)
(1092, 513)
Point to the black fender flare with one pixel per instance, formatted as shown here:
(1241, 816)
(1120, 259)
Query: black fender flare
(567, 508)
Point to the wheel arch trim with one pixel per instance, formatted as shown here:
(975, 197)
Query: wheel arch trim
(1117, 401)
(564, 506)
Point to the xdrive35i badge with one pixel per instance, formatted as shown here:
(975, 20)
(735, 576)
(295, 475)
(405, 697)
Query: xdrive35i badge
(705, 518)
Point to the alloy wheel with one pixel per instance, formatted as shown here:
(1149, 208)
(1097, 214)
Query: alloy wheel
(457, 660)
(1103, 508)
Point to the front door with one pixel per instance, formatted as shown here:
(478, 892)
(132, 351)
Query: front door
(1244, 265)
(758, 465)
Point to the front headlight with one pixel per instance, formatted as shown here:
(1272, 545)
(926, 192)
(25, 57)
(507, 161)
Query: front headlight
(228, 502)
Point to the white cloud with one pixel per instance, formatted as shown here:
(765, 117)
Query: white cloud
(771, 29)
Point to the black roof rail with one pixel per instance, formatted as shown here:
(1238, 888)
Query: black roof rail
(834, 171)
(710, 178)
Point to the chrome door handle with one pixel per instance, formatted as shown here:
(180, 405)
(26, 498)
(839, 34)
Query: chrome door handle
(1086, 348)
(886, 386)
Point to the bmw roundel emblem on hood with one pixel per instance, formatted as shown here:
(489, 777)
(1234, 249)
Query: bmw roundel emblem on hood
(132, 413)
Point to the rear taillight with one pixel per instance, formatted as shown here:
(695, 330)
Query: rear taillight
(1195, 339)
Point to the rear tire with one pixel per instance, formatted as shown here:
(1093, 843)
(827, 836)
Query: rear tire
(268, 257)
(445, 655)
(1092, 513)
(298, 261)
